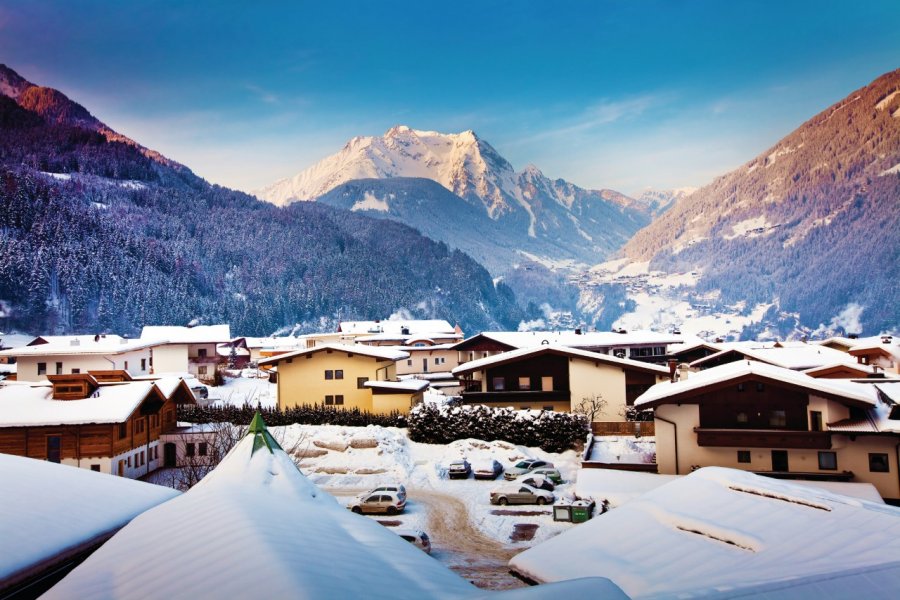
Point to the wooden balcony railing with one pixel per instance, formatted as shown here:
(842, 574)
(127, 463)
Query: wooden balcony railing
(763, 438)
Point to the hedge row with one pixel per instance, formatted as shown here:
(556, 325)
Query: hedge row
(428, 423)
(551, 431)
(315, 414)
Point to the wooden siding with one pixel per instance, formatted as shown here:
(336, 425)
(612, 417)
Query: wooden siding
(623, 428)
(742, 438)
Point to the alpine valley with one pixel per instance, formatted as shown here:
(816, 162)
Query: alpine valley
(101, 233)
(801, 239)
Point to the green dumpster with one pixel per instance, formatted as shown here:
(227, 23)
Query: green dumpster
(582, 511)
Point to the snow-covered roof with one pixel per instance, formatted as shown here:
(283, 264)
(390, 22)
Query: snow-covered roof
(857, 392)
(852, 342)
(50, 508)
(407, 385)
(891, 349)
(290, 342)
(851, 365)
(890, 389)
(79, 344)
(588, 339)
(513, 355)
(23, 405)
(14, 340)
(790, 355)
(257, 524)
(412, 327)
(407, 339)
(721, 529)
(201, 334)
(379, 352)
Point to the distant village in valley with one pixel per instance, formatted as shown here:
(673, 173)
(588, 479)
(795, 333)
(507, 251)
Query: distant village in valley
(205, 446)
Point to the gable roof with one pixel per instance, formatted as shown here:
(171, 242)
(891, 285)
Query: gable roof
(531, 352)
(79, 344)
(722, 529)
(412, 326)
(31, 405)
(589, 339)
(378, 352)
(44, 525)
(668, 392)
(790, 355)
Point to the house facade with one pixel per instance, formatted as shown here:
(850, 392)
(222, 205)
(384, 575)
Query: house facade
(771, 420)
(110, 425)
(191, 350)
(337, 375)
(557, 378)
(67, 355)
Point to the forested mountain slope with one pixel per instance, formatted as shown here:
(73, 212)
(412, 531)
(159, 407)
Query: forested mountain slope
(812, 224)
(101, 234)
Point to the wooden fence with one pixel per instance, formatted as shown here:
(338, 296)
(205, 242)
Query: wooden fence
(637, 428)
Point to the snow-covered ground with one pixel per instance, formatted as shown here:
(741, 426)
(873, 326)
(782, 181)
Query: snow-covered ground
(351, 460)
(623, 449)
(238, 391)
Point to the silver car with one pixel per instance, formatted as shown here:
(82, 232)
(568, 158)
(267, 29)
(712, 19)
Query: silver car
(521, 494)
(379, 502)
(525, 466)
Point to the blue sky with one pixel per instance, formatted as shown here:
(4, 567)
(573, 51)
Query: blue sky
(618, 94)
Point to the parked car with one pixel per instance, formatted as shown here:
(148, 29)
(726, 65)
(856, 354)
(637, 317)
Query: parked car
(459, 469)
(536, 481)
(520, 494)
(417, 538)
(390, 487)
(525, 466)
(488, 470)
(201, 392)
(551, 473)
(379, 502)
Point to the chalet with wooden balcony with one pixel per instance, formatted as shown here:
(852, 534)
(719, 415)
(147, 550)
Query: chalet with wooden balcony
(105, 422)
(779, 422)
(558, 378)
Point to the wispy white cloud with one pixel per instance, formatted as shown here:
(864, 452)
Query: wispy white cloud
(263, 94)
(604, 112)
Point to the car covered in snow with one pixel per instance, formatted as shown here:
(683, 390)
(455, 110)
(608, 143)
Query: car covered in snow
(536, 481)
(459, 469)
(525, 466)
(551, 473)
(379, 502)
(397, 488)
(417, 538)
(488, 469)
(520, 494)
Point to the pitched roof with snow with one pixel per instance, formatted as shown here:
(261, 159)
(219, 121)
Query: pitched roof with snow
(79, 344)
(589, 339)
(667, 390)
(29, 405)
(201, 334)
(407, 385)
(412, 327)
(790, 355)
(257, 524)
(722, 529)
(379, 352)
(514, 355)
(40, 523)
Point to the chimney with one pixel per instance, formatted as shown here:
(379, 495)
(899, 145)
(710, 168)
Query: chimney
(853, 336)
(578, 331)
(673, 365)
(886, 339)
